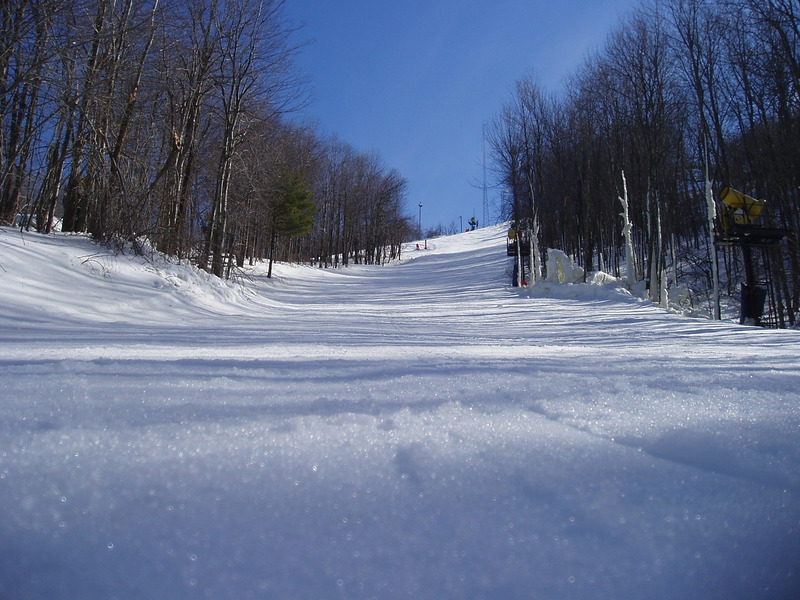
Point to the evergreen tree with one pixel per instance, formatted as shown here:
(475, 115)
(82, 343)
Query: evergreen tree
(292, 210)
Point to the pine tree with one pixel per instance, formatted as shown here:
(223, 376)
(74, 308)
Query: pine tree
(292, 210)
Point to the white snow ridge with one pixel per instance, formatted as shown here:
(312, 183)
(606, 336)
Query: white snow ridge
(418, 431)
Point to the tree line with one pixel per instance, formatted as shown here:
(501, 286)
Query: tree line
(167, 120)
(682, 94)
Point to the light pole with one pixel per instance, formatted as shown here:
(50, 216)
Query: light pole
(419, 223)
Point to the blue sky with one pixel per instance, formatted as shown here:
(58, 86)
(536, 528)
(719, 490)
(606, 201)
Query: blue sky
(415, 81)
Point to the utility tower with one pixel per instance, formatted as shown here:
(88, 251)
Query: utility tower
(485, 194)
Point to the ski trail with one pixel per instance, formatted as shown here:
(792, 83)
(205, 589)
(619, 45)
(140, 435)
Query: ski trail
(419, 430)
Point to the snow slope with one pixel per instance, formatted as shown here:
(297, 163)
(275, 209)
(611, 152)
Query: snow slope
(415, 431)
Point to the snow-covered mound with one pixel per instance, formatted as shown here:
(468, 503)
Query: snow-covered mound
(421, 430)
(66, 277)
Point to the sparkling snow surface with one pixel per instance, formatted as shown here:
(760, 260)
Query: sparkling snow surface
(421, 431)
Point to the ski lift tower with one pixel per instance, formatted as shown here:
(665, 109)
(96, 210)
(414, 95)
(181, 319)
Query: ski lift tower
(744, 224)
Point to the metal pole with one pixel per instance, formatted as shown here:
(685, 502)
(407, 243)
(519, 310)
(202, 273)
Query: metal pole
(419, 223)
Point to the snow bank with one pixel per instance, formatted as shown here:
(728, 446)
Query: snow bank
(67, 276)
(566, 280)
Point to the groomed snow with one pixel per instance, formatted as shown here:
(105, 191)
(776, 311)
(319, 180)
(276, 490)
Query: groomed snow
(421, 430)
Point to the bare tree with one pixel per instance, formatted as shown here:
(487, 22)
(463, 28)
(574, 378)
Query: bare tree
(26, 46)
(186, 62)
(253, 70)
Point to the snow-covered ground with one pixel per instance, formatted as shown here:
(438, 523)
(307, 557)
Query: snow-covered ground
(421, 430)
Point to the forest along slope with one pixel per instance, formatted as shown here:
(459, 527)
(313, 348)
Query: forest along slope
(419, 430)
